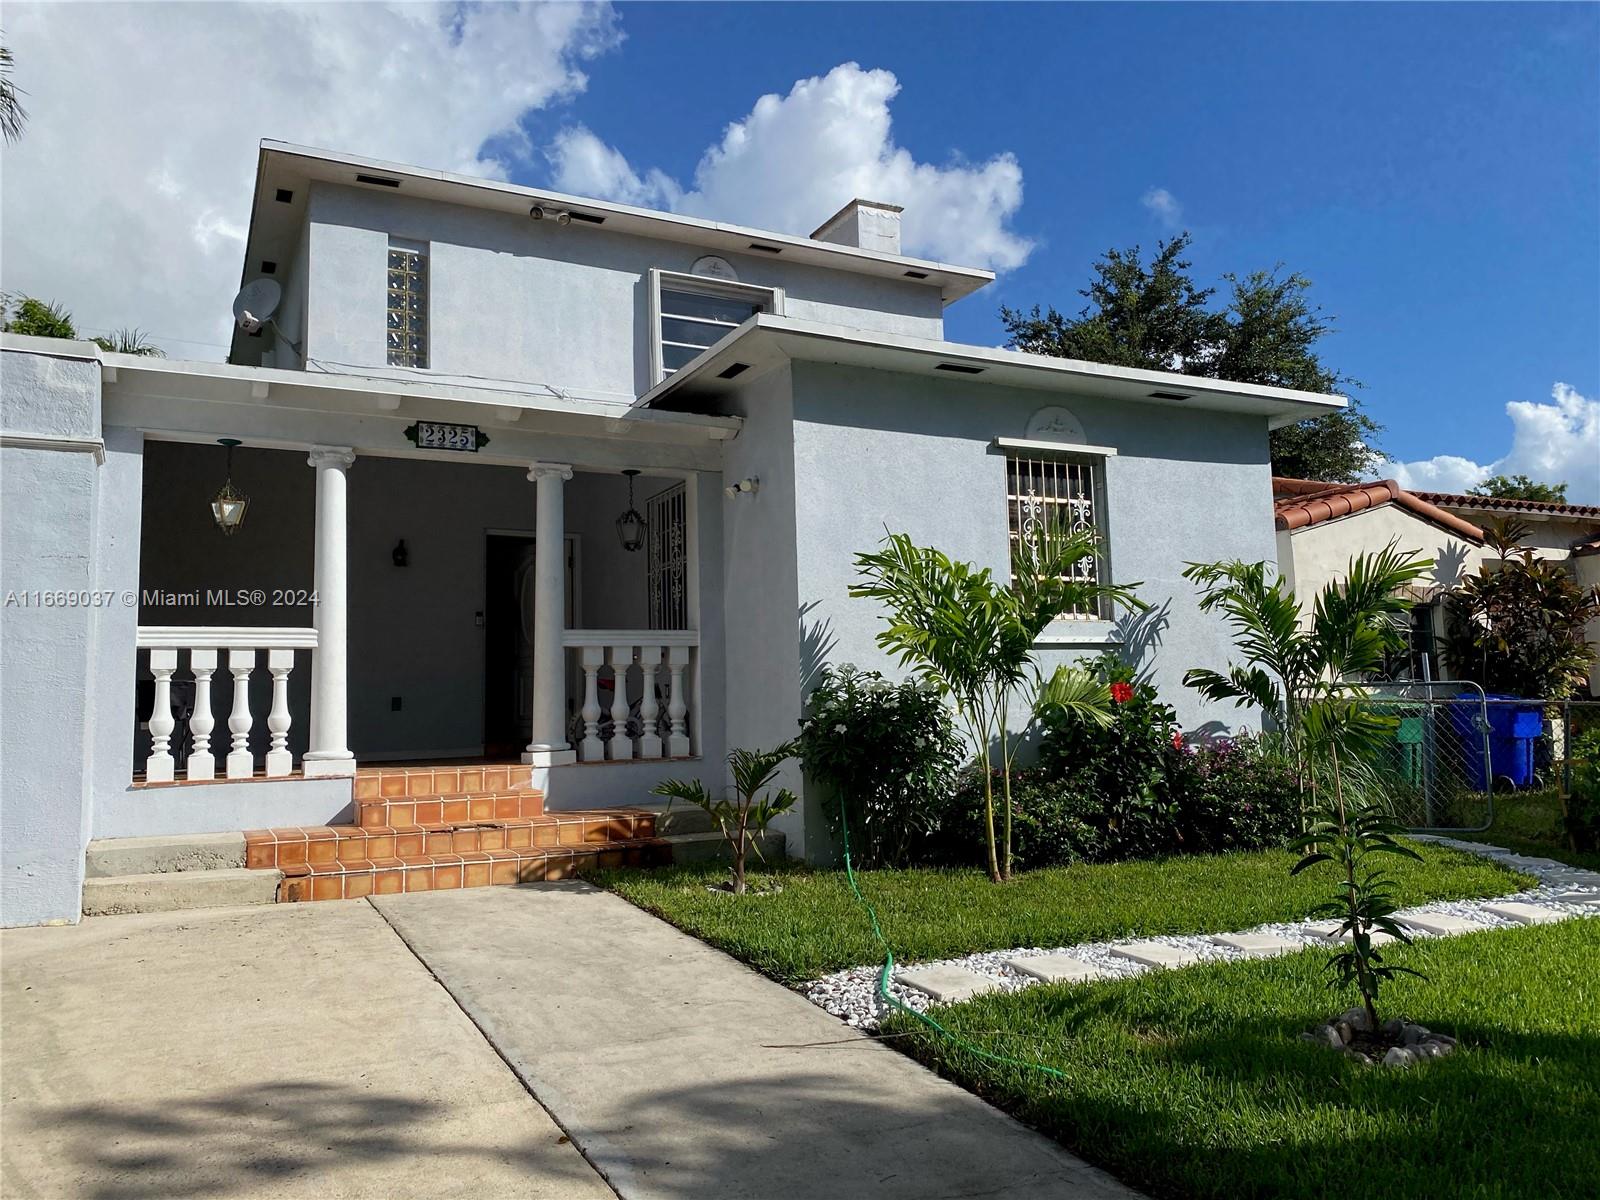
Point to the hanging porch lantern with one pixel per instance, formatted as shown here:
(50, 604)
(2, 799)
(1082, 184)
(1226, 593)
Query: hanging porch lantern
(229, 504)
(630, 525)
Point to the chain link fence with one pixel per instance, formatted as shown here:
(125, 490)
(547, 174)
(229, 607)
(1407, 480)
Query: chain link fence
(1454, 748)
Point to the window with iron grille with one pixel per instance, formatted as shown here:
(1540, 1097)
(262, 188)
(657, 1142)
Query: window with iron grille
(668, 566)
(408, 305)
(1060, 494)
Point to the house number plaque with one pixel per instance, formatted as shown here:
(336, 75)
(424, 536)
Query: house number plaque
(442, 435)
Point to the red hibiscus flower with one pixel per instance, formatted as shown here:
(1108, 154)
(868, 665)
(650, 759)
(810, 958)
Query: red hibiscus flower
(1177, 740)
(1122, 692)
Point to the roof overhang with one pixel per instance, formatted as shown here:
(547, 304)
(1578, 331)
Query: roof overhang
(277, 394)
(766, 341)
(275, 225)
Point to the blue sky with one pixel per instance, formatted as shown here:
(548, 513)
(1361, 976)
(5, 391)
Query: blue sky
(1435, 170)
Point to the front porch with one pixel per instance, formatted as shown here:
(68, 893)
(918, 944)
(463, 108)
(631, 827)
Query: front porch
(396, 609)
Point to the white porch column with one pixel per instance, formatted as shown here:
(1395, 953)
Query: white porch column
(548, 745)
(329, 751)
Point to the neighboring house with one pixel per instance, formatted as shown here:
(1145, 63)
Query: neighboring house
(710, 421)
(1321, 526)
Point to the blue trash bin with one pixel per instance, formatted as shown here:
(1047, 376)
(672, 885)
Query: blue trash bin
(1513, 729)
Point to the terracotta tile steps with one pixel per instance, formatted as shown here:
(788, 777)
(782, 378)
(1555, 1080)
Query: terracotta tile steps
(431, 828)
(440, 872)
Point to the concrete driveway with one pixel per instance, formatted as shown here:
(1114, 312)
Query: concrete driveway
(292, 1050)
(304, 1050)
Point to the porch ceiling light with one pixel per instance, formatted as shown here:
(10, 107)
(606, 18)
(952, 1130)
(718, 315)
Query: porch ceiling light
(631, 526)
(229, 504)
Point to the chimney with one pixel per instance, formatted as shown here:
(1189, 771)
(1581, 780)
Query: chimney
(865, 224)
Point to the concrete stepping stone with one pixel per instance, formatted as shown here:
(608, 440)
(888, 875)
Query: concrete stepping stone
(1157, 954)
(1056, 968)
(1587, 899)
(1258, 945)
(1321, 928)
(1525, 914)
(1441, 924)
(946, 983)
(1379, 938)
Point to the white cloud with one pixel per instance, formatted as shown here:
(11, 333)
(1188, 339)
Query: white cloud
(1163, 206)
(1551, 443)
(794, 160)
(127, 198)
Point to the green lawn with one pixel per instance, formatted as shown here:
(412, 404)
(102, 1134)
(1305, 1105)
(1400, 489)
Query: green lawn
(814, 925)
(1192, 1083)
(1530, 823)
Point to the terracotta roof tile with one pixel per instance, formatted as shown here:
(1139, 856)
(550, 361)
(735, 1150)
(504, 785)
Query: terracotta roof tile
(1300, 503)
(1508, 504)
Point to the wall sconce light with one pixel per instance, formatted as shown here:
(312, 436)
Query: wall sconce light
(748, 486)
(229, 504)
(401, 556)
(630, 525)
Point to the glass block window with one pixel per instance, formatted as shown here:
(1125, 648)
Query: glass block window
(408, 305)
(1064, 495)
(696, 313)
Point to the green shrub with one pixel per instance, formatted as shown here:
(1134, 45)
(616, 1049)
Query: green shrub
(1237, 796)
(1053, 825)
(1133, 771)
(1583, 803)
(891, 753)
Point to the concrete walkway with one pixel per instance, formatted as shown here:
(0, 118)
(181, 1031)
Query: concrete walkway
(304, 1051)
(682, 1073)
(292, 1051)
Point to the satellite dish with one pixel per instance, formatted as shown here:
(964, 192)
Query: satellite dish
(256, 302)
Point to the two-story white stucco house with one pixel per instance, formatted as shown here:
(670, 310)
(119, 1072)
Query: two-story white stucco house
(543, 499)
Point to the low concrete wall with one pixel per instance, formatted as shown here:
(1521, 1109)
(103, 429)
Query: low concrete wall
(222, 807)
(50, 416)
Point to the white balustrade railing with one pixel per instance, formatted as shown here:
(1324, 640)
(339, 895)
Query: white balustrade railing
(238, 648)
(651, 708)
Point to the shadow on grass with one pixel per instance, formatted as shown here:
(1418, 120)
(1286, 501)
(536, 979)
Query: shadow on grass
(1245, 1108)
(274, 1138)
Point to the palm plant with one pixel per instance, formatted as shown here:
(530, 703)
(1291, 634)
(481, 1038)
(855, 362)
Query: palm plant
(972, 637)
(130, 341)
(745, 818)
(1304, 671)
(12, 115)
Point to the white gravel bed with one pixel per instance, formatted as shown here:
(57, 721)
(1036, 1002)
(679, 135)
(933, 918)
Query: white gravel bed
(852, 995)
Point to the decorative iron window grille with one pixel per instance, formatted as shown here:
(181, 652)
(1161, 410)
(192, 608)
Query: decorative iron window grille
(408, 306)
(667, 567)
(1059, 495)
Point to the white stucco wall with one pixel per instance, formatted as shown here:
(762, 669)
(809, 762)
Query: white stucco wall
(515, 299)
(49, 502)
(875, 449)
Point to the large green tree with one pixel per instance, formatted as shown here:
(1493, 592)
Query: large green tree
(1520, 487)
(1264, 330)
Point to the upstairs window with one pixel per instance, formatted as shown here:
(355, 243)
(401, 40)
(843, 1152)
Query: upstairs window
(408, 304)
(692, 313)
(1062, 494)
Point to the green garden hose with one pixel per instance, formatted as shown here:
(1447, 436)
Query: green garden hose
(888, 967)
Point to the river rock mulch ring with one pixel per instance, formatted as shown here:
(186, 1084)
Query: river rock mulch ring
(1395, 1043)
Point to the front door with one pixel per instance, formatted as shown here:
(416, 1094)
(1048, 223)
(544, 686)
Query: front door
(508, 640)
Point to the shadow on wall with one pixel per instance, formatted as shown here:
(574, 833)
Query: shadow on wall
(251, 1140)
(817, 641)
(1141, 634)
(1450, 564)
